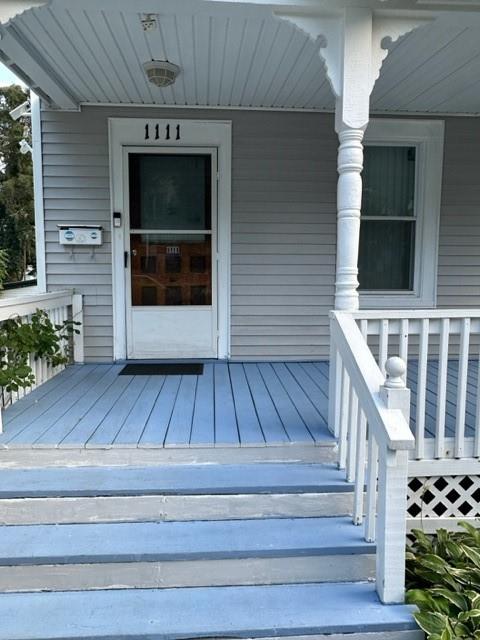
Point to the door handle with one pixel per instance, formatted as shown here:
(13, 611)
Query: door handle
(125, 259)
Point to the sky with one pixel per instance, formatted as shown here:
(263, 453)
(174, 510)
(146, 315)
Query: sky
(7, 77)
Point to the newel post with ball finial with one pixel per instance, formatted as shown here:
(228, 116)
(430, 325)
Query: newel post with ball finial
(392, 492)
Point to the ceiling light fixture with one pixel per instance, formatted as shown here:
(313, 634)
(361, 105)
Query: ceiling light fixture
(161, 73)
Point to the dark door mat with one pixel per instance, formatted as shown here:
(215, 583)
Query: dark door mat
(167, 369)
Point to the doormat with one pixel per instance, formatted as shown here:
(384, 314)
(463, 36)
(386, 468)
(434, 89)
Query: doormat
(174, 369)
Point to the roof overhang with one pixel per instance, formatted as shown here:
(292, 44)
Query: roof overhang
(234, 54)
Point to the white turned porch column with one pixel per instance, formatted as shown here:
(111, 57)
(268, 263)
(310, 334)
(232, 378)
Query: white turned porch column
(349, 202)
(354, 85)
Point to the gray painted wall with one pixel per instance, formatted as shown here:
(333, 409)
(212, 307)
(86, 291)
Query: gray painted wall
(283, 223)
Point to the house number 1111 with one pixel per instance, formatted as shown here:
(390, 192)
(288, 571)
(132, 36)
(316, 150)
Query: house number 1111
(167, 135)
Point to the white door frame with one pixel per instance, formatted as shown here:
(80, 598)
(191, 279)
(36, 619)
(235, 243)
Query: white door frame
(153, 132)
(211, 152)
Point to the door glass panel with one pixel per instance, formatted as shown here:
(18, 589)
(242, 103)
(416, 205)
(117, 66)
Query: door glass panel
(170, 191)
(171, 270)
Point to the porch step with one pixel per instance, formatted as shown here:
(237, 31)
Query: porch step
(221, 612)
(198, 479)
(179, 492)
(182, 554)
(187, 551)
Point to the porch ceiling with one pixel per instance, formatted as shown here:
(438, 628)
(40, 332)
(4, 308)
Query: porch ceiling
(231, 54)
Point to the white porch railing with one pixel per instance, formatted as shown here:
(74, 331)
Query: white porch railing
(441, 349)
(60, 306)
(371, 420)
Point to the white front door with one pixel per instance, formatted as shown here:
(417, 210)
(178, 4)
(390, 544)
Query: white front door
(170, 252)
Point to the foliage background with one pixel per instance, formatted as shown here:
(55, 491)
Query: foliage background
(17, 220)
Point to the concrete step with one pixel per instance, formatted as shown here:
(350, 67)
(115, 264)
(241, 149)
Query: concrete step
(182, 554)
(220, 612)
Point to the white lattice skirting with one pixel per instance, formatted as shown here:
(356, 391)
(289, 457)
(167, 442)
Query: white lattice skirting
(441, 501)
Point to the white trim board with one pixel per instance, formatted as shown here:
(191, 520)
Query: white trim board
(130, 132)
(214, 107)
(37, 161)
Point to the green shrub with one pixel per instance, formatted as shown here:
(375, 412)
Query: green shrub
(39, 337)
(443, 580)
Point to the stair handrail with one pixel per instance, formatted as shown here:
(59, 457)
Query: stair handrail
(370, 415)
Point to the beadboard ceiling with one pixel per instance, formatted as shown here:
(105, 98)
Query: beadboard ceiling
(230, 55)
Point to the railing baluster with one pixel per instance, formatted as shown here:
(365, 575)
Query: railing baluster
(383, 345)
(403, 343)
(352, 434)
(361, 452)
(421, 390)
(442, 388)
(344, 418)
(371, 501)
(476, 441)
(360, 468)
(462, 389)
(334, 389)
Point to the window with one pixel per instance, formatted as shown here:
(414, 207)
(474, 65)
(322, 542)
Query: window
(400, 213)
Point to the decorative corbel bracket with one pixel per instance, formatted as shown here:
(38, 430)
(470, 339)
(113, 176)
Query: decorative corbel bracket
(11, 8)
(352, 46)
(326, 31)
(386, 31)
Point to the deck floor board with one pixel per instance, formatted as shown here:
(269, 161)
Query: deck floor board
(249, 426)
(305, 407)
(203, 412)
(268, 413)
(156, 426)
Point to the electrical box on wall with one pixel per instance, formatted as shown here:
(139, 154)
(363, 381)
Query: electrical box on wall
(86, 234)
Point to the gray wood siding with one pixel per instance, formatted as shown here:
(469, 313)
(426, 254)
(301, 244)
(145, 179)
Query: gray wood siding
(459, 243)
(283, 223)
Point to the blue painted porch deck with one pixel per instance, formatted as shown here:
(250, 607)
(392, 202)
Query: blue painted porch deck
(231, 404)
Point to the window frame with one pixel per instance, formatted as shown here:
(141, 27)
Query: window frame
(427, 136)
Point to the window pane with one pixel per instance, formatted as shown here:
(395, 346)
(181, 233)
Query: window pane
(386, 257)
(388, 181)
(171, 269)
(170, 191)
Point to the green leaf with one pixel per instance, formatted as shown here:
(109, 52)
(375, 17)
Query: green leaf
(475, 601)
(446, 634)
(469, 615)
(472, 531)
(472, 554)
(454, 550)
(431, 622)
(460, 630)
(422, 540)
(434, 562)
(454, 597)
(421, 598)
